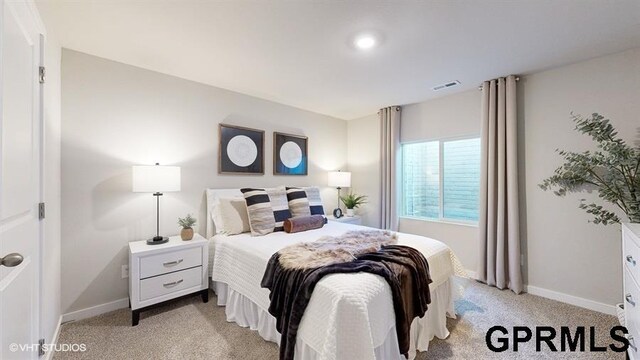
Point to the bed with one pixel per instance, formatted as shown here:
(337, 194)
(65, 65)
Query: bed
(349, 316)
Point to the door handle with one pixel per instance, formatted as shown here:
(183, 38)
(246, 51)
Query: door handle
(11, 260)
(631, 342)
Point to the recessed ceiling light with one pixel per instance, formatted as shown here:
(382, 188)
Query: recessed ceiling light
(365, 42)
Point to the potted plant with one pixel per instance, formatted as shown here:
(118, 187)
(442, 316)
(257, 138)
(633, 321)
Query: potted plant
(613, 171)
(187, 224)
(353, 201)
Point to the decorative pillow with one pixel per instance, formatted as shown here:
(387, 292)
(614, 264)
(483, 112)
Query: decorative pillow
(315, 202)
(298, 202)
(267, 209)
(304, 223)
(232, 213)
(213, 199)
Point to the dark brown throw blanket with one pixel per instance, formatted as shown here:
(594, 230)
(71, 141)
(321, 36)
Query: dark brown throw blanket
(404, 268)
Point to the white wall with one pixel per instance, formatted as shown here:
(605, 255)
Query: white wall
(364, 164)
(115, 116)
(50, 309)
(446, 117)
(563, 252)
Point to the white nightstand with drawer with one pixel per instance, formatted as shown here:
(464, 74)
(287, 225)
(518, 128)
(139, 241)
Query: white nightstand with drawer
(158, 273)
(356, 220)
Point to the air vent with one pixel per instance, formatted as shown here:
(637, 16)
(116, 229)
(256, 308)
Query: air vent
(447, 85)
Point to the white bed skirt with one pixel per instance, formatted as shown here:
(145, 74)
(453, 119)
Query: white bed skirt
(244, 312)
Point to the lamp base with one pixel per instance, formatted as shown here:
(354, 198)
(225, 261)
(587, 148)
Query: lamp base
(157, 240)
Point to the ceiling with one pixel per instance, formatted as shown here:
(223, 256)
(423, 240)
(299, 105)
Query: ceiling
(301, 53)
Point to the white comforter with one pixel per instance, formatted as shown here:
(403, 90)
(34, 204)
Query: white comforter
(348, 313)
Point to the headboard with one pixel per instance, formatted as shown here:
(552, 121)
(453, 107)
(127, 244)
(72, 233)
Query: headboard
(212, 196)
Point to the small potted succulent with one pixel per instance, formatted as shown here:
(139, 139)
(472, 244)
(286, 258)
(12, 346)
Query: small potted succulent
(187, 224)
(353, 201)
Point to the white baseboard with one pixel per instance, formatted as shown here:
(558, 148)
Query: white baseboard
(562, 297)
(572, 300)
(95, 310)
(54, 340)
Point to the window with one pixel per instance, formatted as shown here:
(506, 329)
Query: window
(421, 179)
(441, 179)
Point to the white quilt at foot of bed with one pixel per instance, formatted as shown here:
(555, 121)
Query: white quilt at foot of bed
(244, 312)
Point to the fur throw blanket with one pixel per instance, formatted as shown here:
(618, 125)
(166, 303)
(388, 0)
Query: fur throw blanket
(335, 249)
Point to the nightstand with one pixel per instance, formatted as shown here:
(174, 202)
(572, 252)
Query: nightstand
(356, 220)
(158, 273)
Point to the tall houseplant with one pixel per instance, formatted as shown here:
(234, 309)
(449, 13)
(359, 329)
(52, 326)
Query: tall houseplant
(613, 170)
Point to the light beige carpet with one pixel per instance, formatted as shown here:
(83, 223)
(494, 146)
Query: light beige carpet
(190, 329)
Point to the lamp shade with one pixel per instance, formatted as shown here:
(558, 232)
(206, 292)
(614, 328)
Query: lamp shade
(340, 179)
(156, 178)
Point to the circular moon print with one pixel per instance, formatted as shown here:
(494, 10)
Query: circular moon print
(242, 151)
(290, 154)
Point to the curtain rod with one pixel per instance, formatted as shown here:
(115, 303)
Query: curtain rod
(480, 87)
(396, 108)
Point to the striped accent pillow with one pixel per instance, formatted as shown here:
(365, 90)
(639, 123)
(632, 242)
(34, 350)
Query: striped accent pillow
(298, 202)
(315, 202)
(267, 209)
(280, 206)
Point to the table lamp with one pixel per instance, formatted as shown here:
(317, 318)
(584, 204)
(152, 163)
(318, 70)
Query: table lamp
(339, 179)
(156, 179)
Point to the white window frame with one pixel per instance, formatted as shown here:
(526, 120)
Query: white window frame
(441, 218)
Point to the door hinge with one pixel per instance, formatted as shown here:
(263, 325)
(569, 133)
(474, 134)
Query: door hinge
(41, 74)
(41, 211)
(41, 347)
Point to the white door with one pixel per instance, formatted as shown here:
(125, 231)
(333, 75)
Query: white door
(20, 179)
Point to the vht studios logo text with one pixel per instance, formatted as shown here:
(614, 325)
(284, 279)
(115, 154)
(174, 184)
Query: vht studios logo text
(547, 338)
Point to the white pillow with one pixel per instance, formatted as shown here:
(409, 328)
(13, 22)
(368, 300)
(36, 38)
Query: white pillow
(216, 215)
(230, 216)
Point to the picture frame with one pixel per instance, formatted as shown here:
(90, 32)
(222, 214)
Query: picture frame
(240, 150)
(290, 154)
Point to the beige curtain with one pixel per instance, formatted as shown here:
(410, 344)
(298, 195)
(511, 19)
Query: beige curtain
(389, 166)
(499, 263)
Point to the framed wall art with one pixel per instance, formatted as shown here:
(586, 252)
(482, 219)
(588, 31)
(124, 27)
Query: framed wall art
(241, 150)
(290, 155)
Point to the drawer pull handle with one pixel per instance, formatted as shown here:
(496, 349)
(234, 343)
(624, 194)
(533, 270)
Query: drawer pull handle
(629, 299)
(172, 263)
(172, 284)
(632, 343)
(631, 260)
